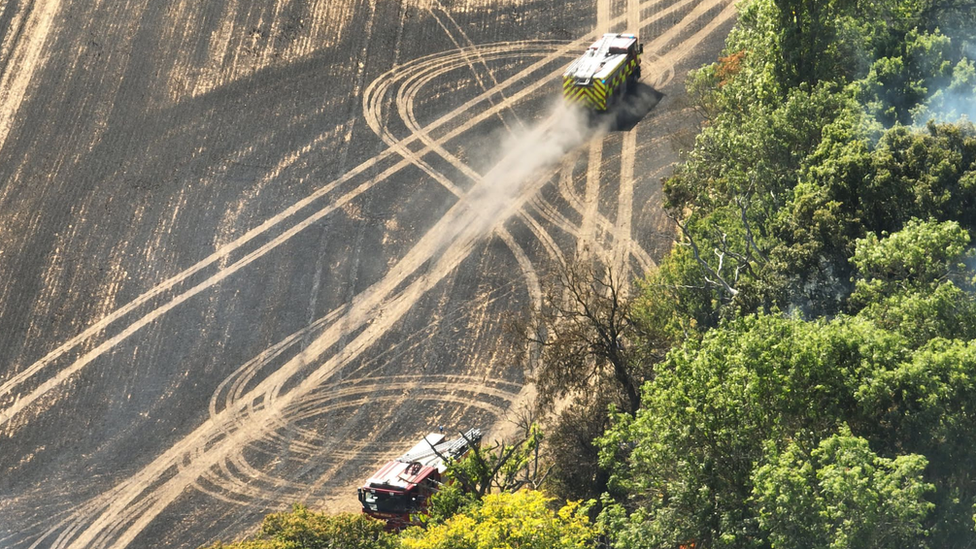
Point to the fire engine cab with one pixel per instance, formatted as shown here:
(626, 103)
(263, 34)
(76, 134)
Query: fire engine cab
(402, 487)
(608, 68)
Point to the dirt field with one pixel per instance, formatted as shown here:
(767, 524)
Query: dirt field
(250, 250)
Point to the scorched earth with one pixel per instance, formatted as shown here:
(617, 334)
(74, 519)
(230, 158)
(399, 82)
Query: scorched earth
(250, 250)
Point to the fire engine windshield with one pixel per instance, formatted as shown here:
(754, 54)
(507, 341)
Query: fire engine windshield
(386, 502)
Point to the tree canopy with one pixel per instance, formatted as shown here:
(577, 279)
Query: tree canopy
(508, 520)
(304, 529)
(766, 399)
(820, 294)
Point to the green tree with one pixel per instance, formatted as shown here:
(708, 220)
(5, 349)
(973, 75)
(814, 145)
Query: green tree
(927, 405)
(841, 495)
(922, 255)
(304, 529)
(682, 468)
(685, 467)
(862, 179)
(789, 171)
(451, 499)
(807, 32)
(508, 520)
(728, 195)
(916, 283)
(898, 82)
(505, 466)
(778, 205)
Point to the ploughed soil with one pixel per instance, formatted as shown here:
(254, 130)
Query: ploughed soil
(251, 250)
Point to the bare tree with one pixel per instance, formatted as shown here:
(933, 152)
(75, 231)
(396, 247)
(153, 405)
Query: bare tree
(587, 335)
(728, 260)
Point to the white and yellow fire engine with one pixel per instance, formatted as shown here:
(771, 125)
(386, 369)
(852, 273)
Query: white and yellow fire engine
(604, 73)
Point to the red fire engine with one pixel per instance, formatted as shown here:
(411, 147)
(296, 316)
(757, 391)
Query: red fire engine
(402, 487)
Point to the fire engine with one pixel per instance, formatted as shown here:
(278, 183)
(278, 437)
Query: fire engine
(402, 487)
(604, 73)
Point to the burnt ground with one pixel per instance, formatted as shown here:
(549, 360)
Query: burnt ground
(250, 250)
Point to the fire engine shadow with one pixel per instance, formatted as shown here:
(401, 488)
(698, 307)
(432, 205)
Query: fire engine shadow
(633, 107)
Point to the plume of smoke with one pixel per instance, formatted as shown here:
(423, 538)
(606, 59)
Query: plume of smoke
(526, 157)
(947, 106)
(955, 102)
(528, 153)
(523, 161)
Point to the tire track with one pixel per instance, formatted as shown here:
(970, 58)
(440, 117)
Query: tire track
(405, 101)
(237, 478)
(603, 23)
(436, 6)
(134, 503)
(595, 224)
(22, 58)
(589, 241)
(623, 237)
(131, 510)
(313, 452)
(239, 245)
(23, 400)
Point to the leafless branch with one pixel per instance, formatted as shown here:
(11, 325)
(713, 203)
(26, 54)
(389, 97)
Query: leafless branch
(710, 275)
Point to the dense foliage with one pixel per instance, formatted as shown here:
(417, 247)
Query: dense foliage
(508, 520)
(822, 392)
(303, 529)
(772, 426)
(804, 151)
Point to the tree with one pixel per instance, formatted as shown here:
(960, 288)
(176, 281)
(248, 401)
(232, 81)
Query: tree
(841, 495)
(506, 466)
(731, 200)
(778, 204)
(927, 405)
(789, 170)
(902, 78)
(922, 254)
(807, 32)
(682, 468)
(915, 282)
(507, 520)
(594, 353)
(588, 337)
(863, 179)
(303, 529)
(688, 465)
(699, 460)
(570, 451)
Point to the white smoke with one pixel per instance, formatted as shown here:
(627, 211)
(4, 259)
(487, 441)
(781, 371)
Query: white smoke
(526, 160)
(526, 154)
(955, 102)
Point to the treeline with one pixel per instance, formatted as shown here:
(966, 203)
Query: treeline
(821, 388)
(800, 372)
